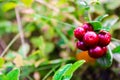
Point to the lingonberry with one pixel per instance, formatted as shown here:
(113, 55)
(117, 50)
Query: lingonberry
(104, 49)
(81, 45)
(90, 38)
(104, 38)
(96, 52)
(79, 33)
(88, 27)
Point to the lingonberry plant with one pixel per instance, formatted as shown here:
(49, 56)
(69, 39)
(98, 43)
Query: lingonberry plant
(94, 42)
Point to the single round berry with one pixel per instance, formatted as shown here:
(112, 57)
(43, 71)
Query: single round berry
(88, 27)
(81, 45)
(79, 33)
(90, 38)
(104, 49)
(104, 38)
(96, 52)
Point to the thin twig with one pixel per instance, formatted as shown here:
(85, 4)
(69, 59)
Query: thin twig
(89, 16)
(57, 10)
(50, 72)
(20, 28)
(29, 78)
(52, 19)
(116, 40)
(9, 45)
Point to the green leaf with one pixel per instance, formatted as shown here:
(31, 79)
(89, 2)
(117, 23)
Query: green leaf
(8, 6)
(68, 74)
(58, 74)
(106, 61)
(110, 21)
(68, 9)
(49, 47)
(100, 18)
(116, 50)
(14, 74)
(28, 3)
(39, 42)
(84, 5)
(3, 77)
(26, 70)
(96, 25)
(116, 57)
(1, 62)
(24, 49)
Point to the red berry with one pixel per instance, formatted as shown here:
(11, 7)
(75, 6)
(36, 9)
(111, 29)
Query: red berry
(90, 38)
(104, 49)
(96, 52)
(79, 33)
(88, 27)
(81, 45)
(104, 38)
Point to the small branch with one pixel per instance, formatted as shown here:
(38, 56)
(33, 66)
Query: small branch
(116, 40)
(57, 10)
(9, 45)
(48, 5)
(20, 28)
(53, 69)
(89, 16)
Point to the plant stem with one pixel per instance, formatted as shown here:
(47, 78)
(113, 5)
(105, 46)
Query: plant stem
(89, 16)
(20, 28)
(9, 45)
(57, 10)
(116, 40)
(50, 72)
(52, 19)
(29, 78)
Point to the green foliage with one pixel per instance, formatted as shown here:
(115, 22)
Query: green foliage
(12, 75)
(100, 18)
(8, 6)
(60, 72)
(24, 49)
(28, 3)
(66, 72)
(1, 62)
(106, 61)
(96, 25)
(116, 50)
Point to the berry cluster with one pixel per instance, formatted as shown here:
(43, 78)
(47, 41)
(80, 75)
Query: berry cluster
(89, 40)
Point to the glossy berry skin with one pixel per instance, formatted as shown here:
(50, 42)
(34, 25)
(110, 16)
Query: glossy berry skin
(96, 52)
(104, 49)
(88, 27)
(104, 38)
(90, 38)
(81, 45)
(79, 33)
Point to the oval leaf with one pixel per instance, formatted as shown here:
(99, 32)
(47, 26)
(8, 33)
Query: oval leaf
(100, 18)
(96, 25)
(116, 50)
(14, 74)
(106, 61)
(8, 6)
(68, 74)
(110, 21)
(58, 75)
(1, 61)
(28, 3)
